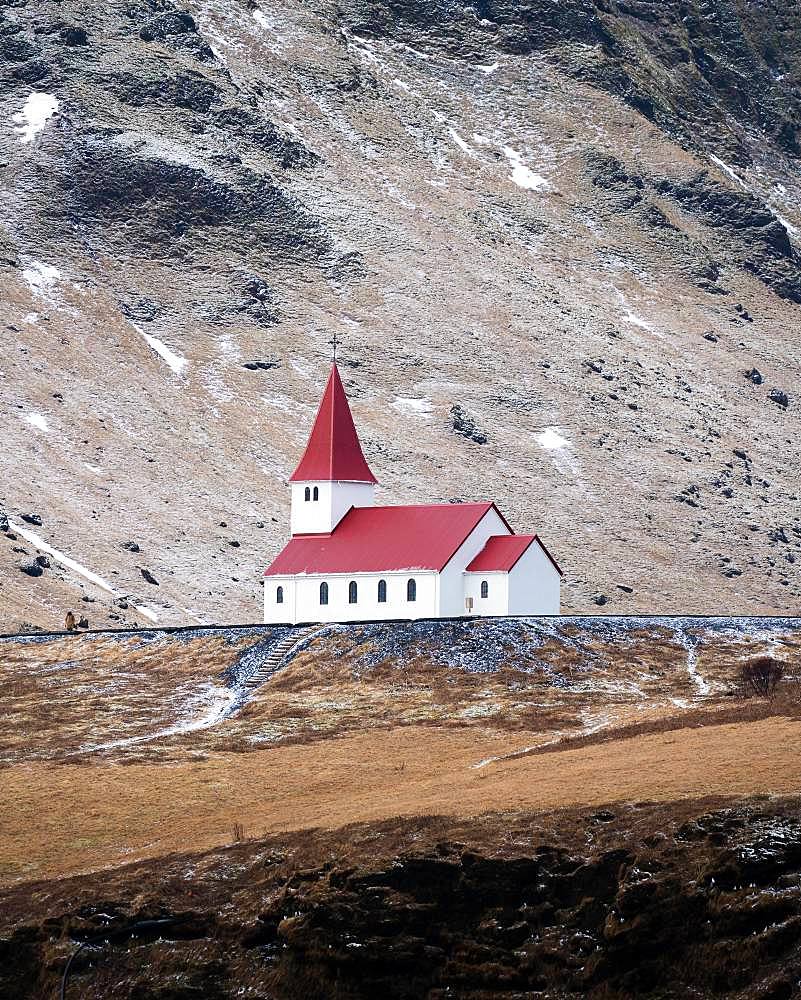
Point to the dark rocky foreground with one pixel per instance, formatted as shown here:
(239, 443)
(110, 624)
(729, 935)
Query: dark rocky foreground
(688, 900)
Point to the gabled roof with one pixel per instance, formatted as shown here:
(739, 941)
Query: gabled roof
(333, 452)
(502, 552)
(382, 539)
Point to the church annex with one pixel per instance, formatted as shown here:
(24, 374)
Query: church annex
(351, 560)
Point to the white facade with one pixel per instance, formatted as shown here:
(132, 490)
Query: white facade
(451, 590)
(496, 601)
(534, 582)
(530, 588)
(301, 597)
(318, 507)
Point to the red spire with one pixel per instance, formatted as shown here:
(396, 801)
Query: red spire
(333, 452)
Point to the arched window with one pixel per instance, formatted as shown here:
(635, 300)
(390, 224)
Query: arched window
(316, 494)
(353, 592)
(411, 590)
(382, 591)
(279, 595)
(484, 588)
(307, 494)
(323, 593)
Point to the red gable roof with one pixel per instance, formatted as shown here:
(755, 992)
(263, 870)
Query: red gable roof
(380, 539)
(333, 452)
(502, 552)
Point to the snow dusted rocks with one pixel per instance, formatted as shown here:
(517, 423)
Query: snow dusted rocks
(465, 425)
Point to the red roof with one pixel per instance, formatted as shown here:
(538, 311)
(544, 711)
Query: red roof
(333, 452)
(381, 539)
(502, 552)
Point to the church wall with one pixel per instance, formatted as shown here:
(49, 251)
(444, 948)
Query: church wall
(451, 583)
(334, 501)
(302, 598)
(497, 600)
(534, 584)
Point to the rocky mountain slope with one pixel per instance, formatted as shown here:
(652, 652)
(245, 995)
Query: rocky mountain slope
(560, 242)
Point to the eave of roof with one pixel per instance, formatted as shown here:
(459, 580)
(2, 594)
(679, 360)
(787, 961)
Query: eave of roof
(417, 538)
(501, 554)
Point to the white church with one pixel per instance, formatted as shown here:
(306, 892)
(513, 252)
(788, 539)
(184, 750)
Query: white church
(351, 560)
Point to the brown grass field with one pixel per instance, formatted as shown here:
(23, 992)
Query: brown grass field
(343, 735)
(77, 818)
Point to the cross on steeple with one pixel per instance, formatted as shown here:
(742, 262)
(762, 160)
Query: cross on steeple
(334, 343)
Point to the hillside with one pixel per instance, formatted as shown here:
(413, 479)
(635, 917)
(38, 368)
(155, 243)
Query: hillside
(590, 807)
(364, 723)
(571, 229)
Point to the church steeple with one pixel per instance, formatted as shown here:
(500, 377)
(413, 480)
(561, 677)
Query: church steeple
(333, 475)
(333, 453)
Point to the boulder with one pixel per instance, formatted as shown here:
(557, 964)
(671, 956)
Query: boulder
(464, 424)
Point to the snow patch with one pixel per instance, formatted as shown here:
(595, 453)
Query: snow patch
(228, 349)
(40, 277)
(791, 229)
(461, 143)
(37, 110)
(31, 319)
(216, 702)
(76, 567)
(174, 361)
(632, 317)
(522, 175)
(690, 643)
(729, 171)
(551, 440)
(418, 407)
(487, 70)
(267, 24)
(38, 421)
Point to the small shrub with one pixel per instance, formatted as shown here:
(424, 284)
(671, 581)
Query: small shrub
(761, 675)
(239, 833)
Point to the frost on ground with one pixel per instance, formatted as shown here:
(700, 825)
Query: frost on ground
(418, 407)
(37, 110)
(40, 277)
(76, 567)
(560, 449)
(522, 175)
(174, 361)
(38, 421)
(460, 142)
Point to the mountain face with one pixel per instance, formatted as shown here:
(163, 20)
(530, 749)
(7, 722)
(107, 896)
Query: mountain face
(560, 244)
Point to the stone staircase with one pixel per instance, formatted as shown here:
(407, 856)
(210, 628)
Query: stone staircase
(280, 652)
